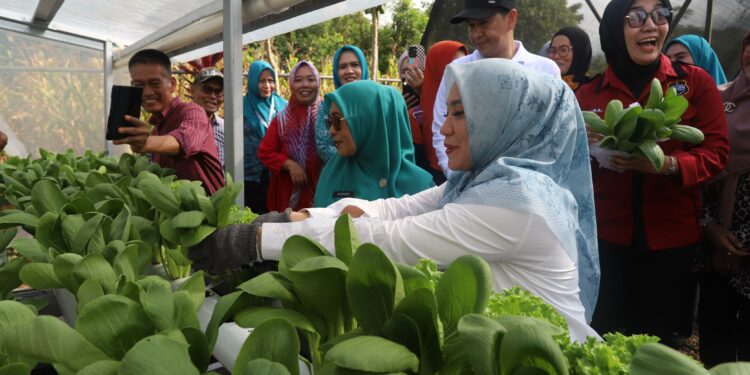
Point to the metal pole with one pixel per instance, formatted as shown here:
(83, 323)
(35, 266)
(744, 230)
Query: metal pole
(233, 93)
(709, 20)
(677, 18)
(108, 80)
(593, 10)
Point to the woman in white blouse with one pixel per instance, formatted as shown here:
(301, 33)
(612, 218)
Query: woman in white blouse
(522, 200)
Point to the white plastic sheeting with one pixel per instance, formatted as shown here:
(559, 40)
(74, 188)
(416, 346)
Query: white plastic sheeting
(203, 23)
(171, 25)
(122, 22)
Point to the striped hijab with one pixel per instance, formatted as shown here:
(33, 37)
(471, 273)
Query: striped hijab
(297, 127)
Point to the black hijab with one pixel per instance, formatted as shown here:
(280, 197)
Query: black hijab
(581, 49)
(576, 74)
(612, 36)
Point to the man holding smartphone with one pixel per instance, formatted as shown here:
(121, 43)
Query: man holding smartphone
(207, 91)
(181, 137)
(491, 24)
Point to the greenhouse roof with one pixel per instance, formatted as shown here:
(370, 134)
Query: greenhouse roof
(188, 28)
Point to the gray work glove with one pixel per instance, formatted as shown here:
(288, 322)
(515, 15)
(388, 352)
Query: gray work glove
(232, 246)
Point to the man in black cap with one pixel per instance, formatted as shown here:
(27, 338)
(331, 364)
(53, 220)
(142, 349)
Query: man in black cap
(491, 24)
(207, 91)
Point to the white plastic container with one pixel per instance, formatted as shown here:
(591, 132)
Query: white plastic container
(231, 337)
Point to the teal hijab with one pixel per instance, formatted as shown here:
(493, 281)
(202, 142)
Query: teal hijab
(254, 107)
(529, 153)
(257, 113)
(703, 56)
(360, 56)
(383, 166)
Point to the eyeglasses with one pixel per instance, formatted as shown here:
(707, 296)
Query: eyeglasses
(208, 90)
(637, 17)
(335, 122)
(561, 51)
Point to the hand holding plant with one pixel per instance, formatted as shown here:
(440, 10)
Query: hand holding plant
(234, 245)
(636, 130)
(637, 163)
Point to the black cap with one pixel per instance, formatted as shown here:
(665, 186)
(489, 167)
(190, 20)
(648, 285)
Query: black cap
(482, 9)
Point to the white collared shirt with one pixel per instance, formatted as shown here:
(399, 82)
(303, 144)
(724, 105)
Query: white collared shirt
(439, 111)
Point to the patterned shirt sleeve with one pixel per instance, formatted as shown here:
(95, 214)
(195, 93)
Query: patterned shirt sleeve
(218, 124)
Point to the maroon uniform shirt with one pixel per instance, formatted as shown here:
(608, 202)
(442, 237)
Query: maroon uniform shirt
(671, 204)
(198, 159)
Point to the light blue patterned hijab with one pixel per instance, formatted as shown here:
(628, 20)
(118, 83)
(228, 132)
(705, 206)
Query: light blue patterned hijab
(528, 153)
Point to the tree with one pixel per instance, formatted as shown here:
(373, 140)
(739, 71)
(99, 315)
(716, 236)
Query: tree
(538, 20)
(375, 13)
(318, 42)
(407, 28)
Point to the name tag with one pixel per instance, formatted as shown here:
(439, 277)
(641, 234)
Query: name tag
(343, 194)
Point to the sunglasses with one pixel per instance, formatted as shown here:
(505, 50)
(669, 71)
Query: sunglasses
(637, 17)
(335, 122)
(208, 90)
(562, 51)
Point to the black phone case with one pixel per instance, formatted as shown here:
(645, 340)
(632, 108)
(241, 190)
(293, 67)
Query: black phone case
(126, 100)
(408, 89)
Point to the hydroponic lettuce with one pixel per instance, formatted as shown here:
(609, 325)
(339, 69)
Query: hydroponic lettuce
(609, 357)
(636, 130)
(242, 215)
(516, 301)
(593, 357)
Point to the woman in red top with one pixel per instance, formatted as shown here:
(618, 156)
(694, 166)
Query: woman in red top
(438, 57)
(288, 149)
(648, 221)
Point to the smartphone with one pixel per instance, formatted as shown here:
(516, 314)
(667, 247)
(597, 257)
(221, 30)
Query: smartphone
(406, 89)
(126, 100)
(416, 55)
(412, 54)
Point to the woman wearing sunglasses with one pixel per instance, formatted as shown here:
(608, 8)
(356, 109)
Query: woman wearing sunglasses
(570, 49)
(349, 65)
(649, 220)
(520, 196)
(374, 159)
